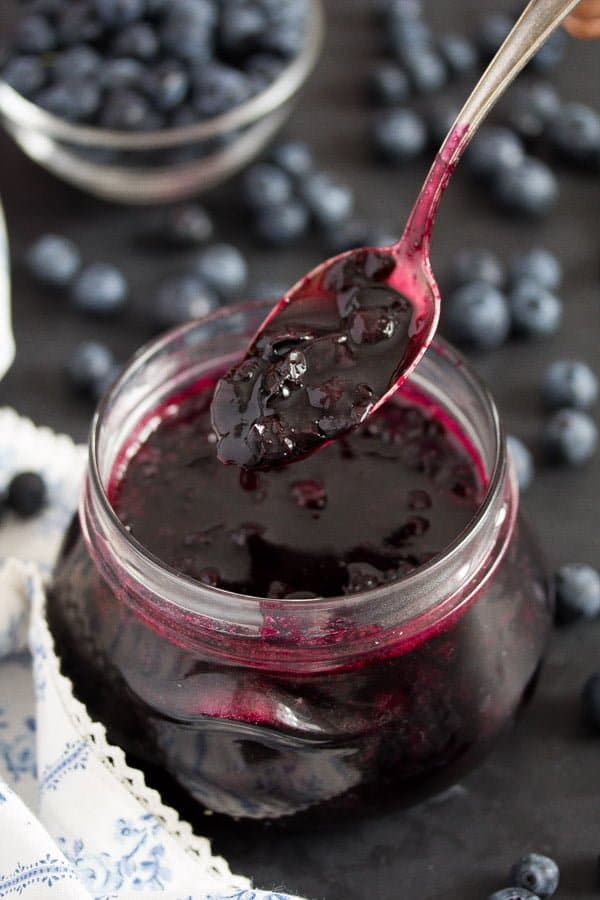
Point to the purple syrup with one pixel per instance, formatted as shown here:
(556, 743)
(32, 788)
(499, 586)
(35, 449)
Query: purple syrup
(367, 510)
(336, 345)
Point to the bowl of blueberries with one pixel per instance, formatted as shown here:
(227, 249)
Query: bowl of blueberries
(149, 101)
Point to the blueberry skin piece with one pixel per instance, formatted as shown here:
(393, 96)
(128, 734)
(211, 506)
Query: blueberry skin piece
(475, 264)
(100, 290)
(281, 226)
(53, 260)
(182, 298)
(539, 265)
(459, 54)
(575, 135)
(265, 185)
(528, 191)
(569, 383)
(577, 588)
(90, 363)
(294, 157)
(477, 315)
(329, 201)
(399, 136)
(388, 84)
(513, 893)
(223, 268)
(34, 34)
(25, 74)
(570, 437)
(590, 703)
(537, 873)
(522, 461)
(536, 312)
(26, 494)
(494, 149)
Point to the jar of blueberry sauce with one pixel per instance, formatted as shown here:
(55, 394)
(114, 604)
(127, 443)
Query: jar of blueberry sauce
(344, 633)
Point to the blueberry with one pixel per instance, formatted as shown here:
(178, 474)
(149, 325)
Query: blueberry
(223, 268)
(570, 437)
(513, 893)
(138, 40)
(90, 364)
(531, 106)
(537, 873)
(386, 10)
(529, 190)
(240, 27)
(53, 260)
(262, 69)
(535, 311)
(26, 494)
(76, 22)
(188, 29)
(100, 290)
(265, 185)
(76, 62)
(569, 383)
(407, 37)
(127, 110)
(182, 298)
(166, 84)
(492, 34)
(294, 157)
(440, 118)
(218, 88)
(282, 225)
(590, 703)
(185, 225)
(400, 136)
(117, 13)
(34, 34)
(348, 235)
(459, 54)
(75, 100)
(577, 588)
(426, 70)
(121, 73)
(477, 315)
(522, 461)
(575, 134)
(550, 54)
(25, 74)
(539, 265)
(388, 84)
(285, 39)
(329, 201)
(474, 264)
(494, 149)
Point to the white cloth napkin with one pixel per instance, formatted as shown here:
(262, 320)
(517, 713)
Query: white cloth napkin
(75, 821)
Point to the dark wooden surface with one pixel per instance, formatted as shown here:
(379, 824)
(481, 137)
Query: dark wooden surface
(541, 789)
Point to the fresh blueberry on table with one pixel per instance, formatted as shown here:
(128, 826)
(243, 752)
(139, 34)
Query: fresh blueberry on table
(282, 225)
(26, 494)
(294, 157)
(476, 264)
(89, 365)
(186, 224)
(529, 190)
(577, 588)
(570, 437)
(575, 135)
(492, 33)
(181, 298)
(407, 37)
(223, 268)
(494, 149)
(522, 460)
(590, 703)
(25, 74)
(100, 290)
(514, 893)
(388, 84)
(538, 873)
(535, 311)
(399, 136)
(459, 54)
(530, 107)
(477, 315)
(569, 383)
(329, 201)
(53, 260)
(539, 265)
(426, 70)
(265, 185)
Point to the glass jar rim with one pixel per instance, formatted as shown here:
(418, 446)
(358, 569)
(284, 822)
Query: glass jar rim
(241, 609)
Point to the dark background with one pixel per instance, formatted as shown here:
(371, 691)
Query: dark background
(541, 789)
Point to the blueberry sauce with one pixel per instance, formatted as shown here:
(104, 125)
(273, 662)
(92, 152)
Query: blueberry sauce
(320, 527)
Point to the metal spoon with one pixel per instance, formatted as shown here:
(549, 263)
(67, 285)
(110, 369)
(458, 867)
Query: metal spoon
(339, 343)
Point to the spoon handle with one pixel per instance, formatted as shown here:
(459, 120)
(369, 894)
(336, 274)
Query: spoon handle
(535, 24)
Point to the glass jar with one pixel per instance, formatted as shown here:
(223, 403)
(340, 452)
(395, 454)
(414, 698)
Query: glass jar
(264, 707)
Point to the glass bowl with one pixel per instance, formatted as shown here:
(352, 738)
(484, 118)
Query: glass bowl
(166, 165)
